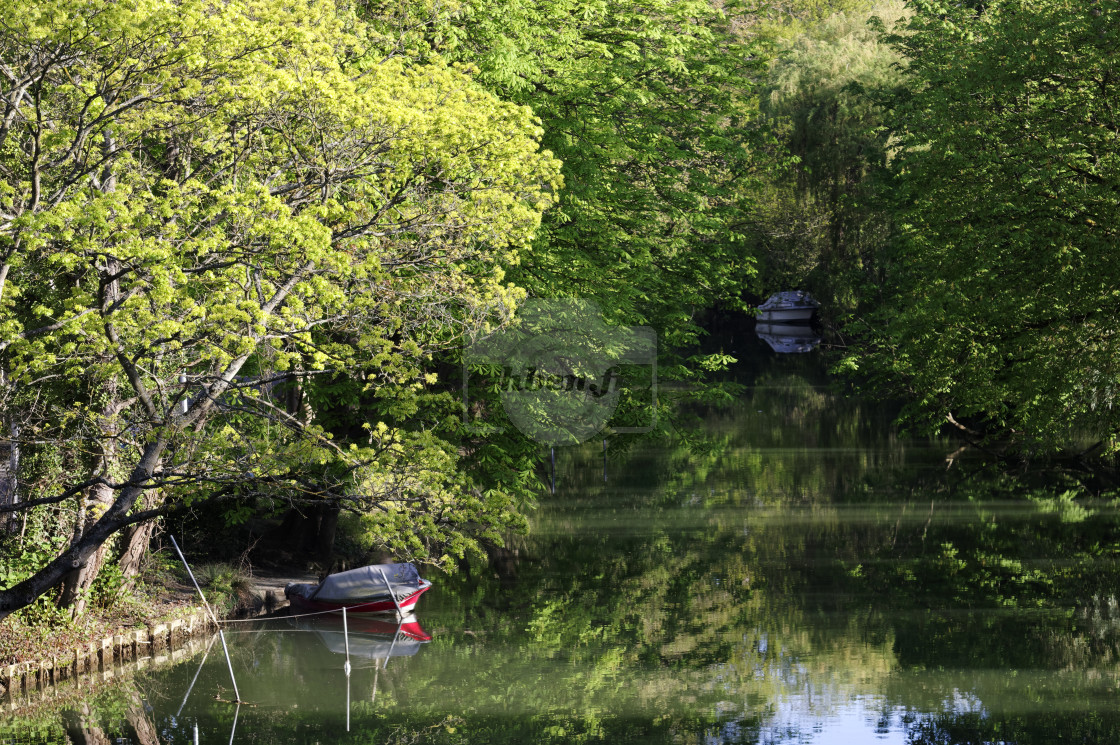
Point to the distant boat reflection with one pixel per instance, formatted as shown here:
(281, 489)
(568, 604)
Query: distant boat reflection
(788, 338)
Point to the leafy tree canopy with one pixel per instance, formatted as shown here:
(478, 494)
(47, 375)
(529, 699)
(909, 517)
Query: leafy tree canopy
(200, 201)
(647, 103)
(820, 224)
(1001, 293)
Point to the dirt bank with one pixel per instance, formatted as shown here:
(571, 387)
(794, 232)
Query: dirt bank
(268, 588)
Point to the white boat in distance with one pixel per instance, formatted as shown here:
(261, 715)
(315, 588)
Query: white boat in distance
(790, 305)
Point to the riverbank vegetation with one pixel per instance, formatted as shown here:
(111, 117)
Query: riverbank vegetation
(243, 245)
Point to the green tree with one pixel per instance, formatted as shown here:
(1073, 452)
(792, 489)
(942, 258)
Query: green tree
(1001, 296)
(649, 105)
(192, 194)
(820, 222)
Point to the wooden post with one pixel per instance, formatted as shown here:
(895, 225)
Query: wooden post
(175, 632)
(106, 653)
(346, 638)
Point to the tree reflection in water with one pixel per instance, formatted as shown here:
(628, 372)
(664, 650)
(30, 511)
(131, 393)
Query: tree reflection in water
(799, 573)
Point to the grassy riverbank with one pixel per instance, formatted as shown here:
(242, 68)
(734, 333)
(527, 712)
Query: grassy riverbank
(161, 595)
(29, 640)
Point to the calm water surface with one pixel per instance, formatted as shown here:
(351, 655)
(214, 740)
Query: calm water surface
(800, 575)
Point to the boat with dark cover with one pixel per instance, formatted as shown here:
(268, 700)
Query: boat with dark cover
(378, 588)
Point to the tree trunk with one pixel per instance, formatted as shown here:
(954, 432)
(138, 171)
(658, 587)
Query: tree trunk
(116, 517)
(78, 583)
(80, 727)
(135, 544)
(328, 526)
(9, 471)
(9, 482)
(136, 541)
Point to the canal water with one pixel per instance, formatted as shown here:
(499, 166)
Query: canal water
(796, 572)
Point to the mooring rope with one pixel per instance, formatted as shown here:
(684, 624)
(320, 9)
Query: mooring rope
(277, 618)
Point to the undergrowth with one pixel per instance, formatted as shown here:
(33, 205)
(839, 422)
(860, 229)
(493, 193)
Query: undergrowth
(42, 629)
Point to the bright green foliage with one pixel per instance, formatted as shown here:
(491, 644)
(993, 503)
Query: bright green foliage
(244, 193)
(1002, 294)
(790, 19)
(647, 103)
(820, 222)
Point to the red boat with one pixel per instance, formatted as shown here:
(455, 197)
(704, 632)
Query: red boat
(378, 588)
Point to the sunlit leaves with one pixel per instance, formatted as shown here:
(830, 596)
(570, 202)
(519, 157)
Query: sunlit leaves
(206, 205)
(1007, 186)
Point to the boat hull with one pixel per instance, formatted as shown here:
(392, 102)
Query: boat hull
(790, 305)
(382, 604)
(786, 314)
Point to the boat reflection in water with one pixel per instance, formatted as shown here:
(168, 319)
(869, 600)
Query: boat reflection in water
(788, 338)
(367, 641)
(317, 654)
